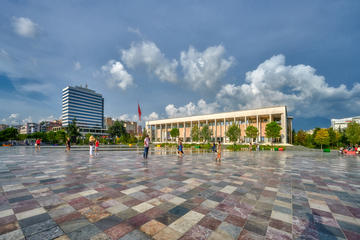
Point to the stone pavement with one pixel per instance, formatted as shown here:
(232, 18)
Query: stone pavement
(116, 195)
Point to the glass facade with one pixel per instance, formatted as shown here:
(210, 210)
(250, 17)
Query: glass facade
(84, 105)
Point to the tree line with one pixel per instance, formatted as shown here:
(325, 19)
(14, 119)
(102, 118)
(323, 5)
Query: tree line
(329, 137)
(117, 134)
(272, 131)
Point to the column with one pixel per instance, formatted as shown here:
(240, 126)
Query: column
(184, 132)
(155, 133)
(245, 128)
(177, 126)
(224, 131)
(191, 126)
(258, 127)
(161, 133)
(283, 126)
(215, 131)
(166, 133)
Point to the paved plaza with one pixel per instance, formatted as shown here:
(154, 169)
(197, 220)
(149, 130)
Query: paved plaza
(116, 195)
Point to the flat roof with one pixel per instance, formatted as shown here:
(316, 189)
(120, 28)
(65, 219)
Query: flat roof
(221, 113)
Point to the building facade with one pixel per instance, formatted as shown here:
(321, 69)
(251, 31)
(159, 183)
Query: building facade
(84, 105)
(29, 128)
(159, 130)
(340, 124)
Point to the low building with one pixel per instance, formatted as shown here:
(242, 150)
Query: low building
(47, 126)
(341, 124)
(108, 122)
(29, 128)
(131, 127)
(159, 130)
(3, 126)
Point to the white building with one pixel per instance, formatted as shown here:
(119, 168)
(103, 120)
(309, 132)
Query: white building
(159, 130)
(340, 124)
(29, 128)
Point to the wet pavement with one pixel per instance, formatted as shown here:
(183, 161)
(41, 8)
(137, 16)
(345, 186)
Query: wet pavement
(52, 194)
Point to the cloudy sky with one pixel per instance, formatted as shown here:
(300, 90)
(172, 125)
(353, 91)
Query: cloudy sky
(180, 58)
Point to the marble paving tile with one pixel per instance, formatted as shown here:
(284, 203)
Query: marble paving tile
(116, 195)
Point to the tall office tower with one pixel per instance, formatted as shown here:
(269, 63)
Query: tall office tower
(84, 105)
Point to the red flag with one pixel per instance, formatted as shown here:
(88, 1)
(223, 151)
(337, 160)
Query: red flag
(139, 111)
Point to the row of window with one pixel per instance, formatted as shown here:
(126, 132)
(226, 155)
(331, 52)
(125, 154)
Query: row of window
(87, 103)
(80, 92)
(87, 98)
(80, 118)
(83, 113)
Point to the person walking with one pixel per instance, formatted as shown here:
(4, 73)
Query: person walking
(180, 149)
(97, 144)
(146, 146)
(91, 145)
(218, 157)
(37, 144)
(214, 147)
(68, 144)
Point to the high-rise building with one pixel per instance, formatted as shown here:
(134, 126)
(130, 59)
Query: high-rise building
(84, 105)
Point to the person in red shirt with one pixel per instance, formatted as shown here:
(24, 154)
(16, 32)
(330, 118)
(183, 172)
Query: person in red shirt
(37, 144)
(97, 144)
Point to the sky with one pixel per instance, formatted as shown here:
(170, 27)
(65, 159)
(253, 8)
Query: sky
(181, 58)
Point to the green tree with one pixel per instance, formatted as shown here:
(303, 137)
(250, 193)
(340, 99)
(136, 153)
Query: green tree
(174, 133)
(73, 131)
(233, 133)
(195, 133)
(61, 136)
(352, 133)
(322, 137)
(251, 132)
(117, 129)
(51, 136)
(300, 138)
(205, 133)
(9, 134)
(272, 130)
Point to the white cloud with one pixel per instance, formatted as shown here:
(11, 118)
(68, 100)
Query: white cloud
(205, 69)
(151, 116)
(13, 116)
(127, 117)
(34, 87)
(148, 54)
(49, 118)
(77, 66)
(299, 87)
(27, 120)
(24, 27)
(191, 109)
(12, 119)
(117, 74)
(135, 30)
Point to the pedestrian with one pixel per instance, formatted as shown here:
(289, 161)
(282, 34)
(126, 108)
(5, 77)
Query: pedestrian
(214, 147)
(37, 144)
(97, 144)
(146, 146)
(218, 157)
(68, 144)
(91, 145)
(250, 147)
(180, 149)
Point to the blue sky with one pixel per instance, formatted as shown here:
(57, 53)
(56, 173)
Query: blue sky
(179, 58)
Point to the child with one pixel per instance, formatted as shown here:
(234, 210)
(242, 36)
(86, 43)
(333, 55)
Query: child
(180, 149)
(96, 146)
(218, 152)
